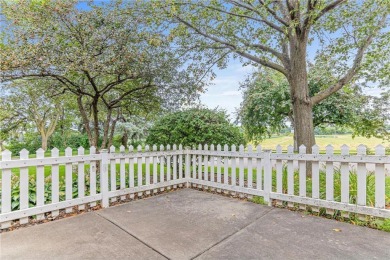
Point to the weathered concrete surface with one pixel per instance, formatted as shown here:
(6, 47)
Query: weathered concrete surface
(191, 224)
(184, 223)
(86, 236)
(283, 234)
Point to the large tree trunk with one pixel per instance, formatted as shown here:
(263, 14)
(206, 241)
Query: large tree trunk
(299, 88)
(85, 121)
(44, 142)
(106, 129)
(125, 139)
(304, 130)
(302, 106)
(95, 112)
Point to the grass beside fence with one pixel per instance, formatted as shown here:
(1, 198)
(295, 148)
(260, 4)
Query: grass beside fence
(370, 180)
(322, 141)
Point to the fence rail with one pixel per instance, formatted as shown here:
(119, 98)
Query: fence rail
(40, 186)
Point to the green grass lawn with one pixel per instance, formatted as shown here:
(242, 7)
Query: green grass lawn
(322, 141)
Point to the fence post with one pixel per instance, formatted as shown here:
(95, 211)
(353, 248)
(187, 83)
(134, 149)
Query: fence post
(188, 169)
(104, 178)
(267, 177)
(6, 191)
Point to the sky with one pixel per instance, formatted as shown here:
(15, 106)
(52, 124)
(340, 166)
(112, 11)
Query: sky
(224, 92)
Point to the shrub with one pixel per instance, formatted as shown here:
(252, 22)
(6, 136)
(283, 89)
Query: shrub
(195, 126)
(73, 140)
(31, 142)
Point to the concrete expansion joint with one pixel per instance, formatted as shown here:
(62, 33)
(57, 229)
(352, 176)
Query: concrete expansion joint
(232, 234)
(132, 235)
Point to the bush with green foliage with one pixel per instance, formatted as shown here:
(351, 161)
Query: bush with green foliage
(30, 141)
(73, 140)
(195, 126)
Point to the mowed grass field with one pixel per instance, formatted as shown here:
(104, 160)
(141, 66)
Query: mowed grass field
(322, 141)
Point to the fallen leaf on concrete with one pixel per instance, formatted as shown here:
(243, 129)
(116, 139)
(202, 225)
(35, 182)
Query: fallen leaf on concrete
(337, 230)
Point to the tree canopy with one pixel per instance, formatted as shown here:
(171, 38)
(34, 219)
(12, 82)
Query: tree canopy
(106, 56)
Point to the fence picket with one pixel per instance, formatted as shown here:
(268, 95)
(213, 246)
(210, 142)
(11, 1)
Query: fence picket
(361, 180)
(200, 165)
(180, 163)
(279, 173)
(241, 176)
(344, 171)
(233, 174)
(139, 170)
(68, 179)
(250, 167)
(329, 179)
(81, 178)
(104, 178)
(162, 171)
(194, 168)
(40, 183)
(380, 179)
(122, 171)
(24, 186)
(241, 181)
(92, 175)
(188, 166)
(302, 175)
(168, 164)
(315, 179)
(267, 177)
(147, 168)
(219, 180)
(113, 172)
(226, 165)
(155, 168)
(259, 170)
(131, 171)
(55, 182)
(206, 163)
(290, 175)
(174, 165)
(212, 164)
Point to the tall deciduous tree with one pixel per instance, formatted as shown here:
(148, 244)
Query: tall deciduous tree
(266, 107)
(346, 38)
(104, 55)
(29, 102)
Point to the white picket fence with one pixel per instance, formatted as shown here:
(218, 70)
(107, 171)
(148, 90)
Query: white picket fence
(223, 169)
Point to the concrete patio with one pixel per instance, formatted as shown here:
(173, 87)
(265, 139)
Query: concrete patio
(190, 224)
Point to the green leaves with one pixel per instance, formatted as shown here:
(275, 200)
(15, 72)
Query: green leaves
(267, 107)
(195, 126)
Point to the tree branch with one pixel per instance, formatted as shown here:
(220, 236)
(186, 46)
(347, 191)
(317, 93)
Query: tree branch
(352, 71)
(268, 23)
(326, 9)
(273, 13)
(235, 49)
